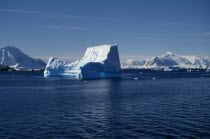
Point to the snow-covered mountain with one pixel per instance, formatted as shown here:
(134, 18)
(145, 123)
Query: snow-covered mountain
(169, 60)
(13, 57)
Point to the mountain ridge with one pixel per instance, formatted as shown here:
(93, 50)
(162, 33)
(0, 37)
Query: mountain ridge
(15, 58)
(169, 60)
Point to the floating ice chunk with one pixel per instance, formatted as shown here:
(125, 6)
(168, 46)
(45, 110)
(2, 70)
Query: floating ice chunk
(98, 62)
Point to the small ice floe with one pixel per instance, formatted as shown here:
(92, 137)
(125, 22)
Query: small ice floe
(84, 81)
(189, 70)
(153, 78)
(201, 77)
(136, 78)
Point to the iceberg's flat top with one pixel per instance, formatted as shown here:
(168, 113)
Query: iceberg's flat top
(100, 54)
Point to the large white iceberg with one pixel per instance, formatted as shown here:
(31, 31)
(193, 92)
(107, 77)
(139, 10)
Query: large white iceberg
(98, 62)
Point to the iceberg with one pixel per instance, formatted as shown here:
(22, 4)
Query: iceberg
(97, 63)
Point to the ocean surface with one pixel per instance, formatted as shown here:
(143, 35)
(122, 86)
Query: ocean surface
(165, 105)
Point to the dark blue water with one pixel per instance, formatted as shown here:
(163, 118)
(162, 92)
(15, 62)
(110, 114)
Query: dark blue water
(156, 105)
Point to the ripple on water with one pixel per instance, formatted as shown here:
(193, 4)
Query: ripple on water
(126, 108)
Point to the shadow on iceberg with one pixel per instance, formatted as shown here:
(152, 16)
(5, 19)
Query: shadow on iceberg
(99, 62)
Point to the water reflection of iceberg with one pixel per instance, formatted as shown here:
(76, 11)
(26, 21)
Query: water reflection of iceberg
(99, 105)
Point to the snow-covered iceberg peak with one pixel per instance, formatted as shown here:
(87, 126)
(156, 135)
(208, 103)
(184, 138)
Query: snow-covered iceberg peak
(98, 62)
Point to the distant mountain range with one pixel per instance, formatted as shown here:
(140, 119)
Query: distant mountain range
(15, 58)
(169, 60)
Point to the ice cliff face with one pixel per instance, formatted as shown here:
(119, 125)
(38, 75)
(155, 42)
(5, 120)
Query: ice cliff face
(13, 57)
(98, 62)
(169, 60)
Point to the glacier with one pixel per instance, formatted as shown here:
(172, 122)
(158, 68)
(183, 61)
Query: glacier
(98, 62)
(15, 58)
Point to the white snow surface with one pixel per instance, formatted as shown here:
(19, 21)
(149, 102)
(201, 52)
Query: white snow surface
(98, 62)
(169, 60)
(13, 57)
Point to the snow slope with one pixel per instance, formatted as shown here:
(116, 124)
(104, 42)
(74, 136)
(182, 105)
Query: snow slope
(98, 62)
(13, 57)
(169, 60)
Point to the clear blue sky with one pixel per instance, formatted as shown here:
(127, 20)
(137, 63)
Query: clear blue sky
(139, 27)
